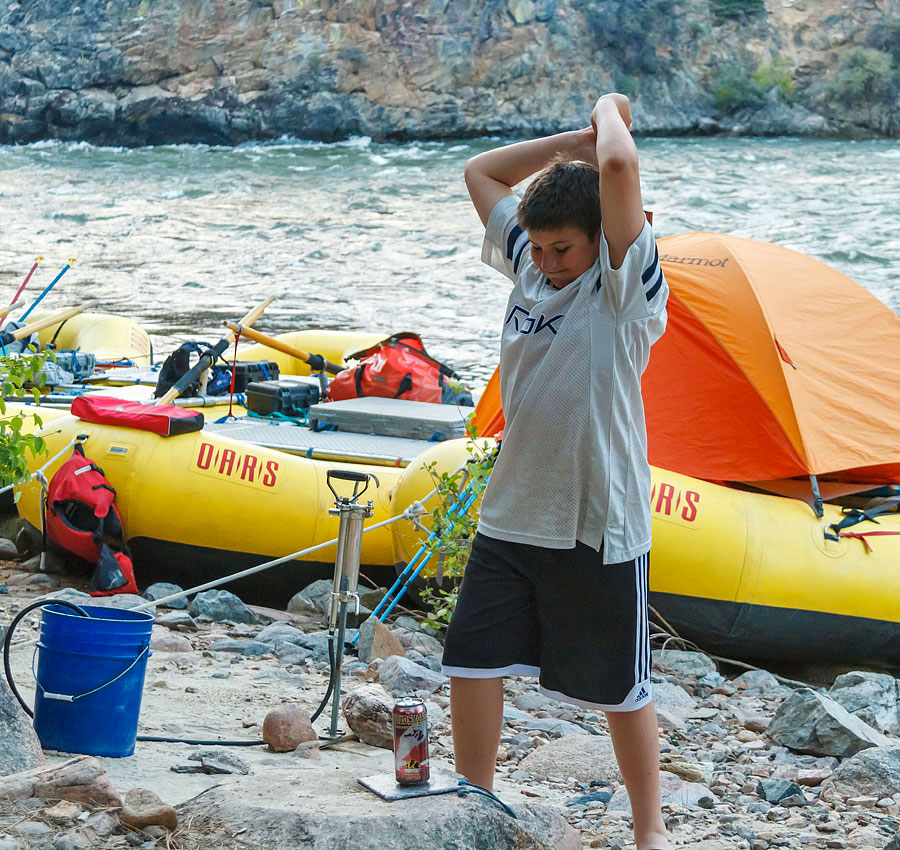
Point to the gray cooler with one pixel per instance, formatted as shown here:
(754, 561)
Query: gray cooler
(392, 417)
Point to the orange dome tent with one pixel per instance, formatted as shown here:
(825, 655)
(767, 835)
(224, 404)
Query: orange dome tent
(773, 366)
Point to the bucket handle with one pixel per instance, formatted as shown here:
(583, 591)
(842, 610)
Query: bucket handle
(74, 697)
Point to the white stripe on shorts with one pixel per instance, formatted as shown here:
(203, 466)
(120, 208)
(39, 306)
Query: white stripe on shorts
(641, 645)
(481, 673)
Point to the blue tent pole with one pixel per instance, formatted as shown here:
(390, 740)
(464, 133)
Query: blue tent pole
(469, 502)
(415, 560)
(47, 289)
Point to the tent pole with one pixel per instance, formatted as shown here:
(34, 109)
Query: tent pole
(818, 505)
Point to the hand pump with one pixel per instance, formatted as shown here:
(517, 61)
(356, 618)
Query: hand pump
(346, 570)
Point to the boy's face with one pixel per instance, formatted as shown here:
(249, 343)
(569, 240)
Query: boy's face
(563, 254)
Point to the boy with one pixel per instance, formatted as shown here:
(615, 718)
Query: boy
(556, 584)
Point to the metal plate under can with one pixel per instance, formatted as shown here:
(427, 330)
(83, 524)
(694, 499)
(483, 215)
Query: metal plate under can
(386, 787)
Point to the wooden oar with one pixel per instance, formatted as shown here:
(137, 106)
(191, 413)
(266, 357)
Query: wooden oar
(210, 357)
(5, 311)
(316, 361)
(57, 318)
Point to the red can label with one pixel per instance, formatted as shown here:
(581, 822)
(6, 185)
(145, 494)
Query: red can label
(410, 741)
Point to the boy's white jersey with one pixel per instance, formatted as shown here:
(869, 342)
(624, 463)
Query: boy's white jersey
(573, 463)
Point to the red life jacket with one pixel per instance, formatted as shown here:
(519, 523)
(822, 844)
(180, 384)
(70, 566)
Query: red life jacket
(397, 367)
(81, 517)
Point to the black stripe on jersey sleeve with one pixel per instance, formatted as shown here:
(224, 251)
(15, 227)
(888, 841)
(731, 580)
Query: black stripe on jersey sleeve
(511, 240)
(656, 285)
(518, 258)
(651, 269)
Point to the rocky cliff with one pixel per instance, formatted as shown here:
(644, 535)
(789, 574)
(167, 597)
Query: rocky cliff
(137, 72)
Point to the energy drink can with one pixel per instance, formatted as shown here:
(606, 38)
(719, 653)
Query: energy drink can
(410, 720)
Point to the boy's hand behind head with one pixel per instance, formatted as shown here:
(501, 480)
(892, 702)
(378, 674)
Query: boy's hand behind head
(585, 148)
(622, 105)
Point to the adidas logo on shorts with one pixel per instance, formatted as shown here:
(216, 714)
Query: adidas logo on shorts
(642, 695)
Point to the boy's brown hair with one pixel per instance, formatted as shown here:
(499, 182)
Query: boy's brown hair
(564, 194)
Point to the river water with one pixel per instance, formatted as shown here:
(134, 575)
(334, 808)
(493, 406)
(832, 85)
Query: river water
(381, 237)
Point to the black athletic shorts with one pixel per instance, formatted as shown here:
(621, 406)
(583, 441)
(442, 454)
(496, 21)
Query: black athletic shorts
(560, 614)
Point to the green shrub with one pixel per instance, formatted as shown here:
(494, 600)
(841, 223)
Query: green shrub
(737, 8)
(628, 85)
(776, 73)
(885, 36)
(733, 89)
(453, 532)
(866, 75)
(21, 375)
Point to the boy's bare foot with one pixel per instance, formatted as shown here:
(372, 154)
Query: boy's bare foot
(653, 841)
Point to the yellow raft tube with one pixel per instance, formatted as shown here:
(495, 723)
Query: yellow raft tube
(747, 575)
(111, 339)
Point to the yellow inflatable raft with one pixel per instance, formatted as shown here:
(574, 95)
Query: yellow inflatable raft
(199, 506)
(113, 340)
(747, 575)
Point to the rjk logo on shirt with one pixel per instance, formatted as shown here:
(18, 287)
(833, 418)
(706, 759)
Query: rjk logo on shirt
(530, 325)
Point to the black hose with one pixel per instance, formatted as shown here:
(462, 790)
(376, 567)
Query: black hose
(332, 664)
(158, 740)
(7, 643)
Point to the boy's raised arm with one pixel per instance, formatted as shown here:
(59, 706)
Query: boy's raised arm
(620, 184)
(490, 176)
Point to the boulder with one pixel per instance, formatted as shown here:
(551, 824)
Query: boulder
(143, 808)
(554, 727)
(376, 640)
(240, 646)
(403, 677)
(872, 772)
(220, 760)
(80, 779)
(8, 550)
(672, 696)
(276, 633)
(313, 807)
(776, 790)
(673, 792)
(315, 597)
(317, 643)
(162, 640)
(367, 710)
(418, 639)
(872, 697)
(286, 727)
(178, 620)
(161, 589)
(759, 682)
(20, 748)
(681, 665)
(587, 758)
(813, 723)
(221, 606)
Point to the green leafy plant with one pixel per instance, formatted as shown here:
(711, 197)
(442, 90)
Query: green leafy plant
(736, 8)
(21, 375)
(867, 76)
(733, 89)
(776, 73)
(454, 528)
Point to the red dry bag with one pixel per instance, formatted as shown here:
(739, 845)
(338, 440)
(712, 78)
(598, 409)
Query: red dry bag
(81, 518)
(397, 367)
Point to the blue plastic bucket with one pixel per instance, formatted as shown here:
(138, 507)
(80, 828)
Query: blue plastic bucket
(90, 678)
